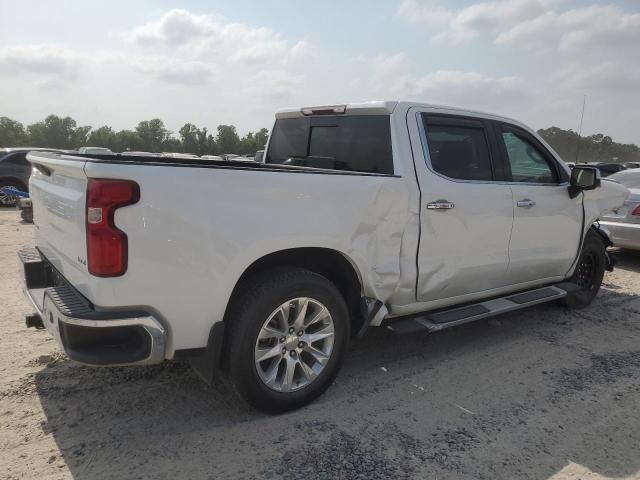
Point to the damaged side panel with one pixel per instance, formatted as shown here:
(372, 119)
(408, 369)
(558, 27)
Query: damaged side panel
(361, 216)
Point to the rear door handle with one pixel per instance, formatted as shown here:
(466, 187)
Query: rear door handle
(526, 203)
(440, 205)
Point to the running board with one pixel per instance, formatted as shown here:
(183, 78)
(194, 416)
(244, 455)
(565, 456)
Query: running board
(452, 317)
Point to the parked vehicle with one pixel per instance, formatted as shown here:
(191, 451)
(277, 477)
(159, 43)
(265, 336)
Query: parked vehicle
(136, 153)
(632, 164)
(15, 171)
(178, 155)
(211, 157)
(607, 169)
(419, 218)
(94, 151)
(623, 223)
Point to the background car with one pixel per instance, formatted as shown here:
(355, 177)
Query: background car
(178, 155)
(95, 151)
(137, 153)
(624, 223)
(609, 168)
(15, 170)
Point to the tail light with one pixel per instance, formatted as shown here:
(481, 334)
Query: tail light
(636, 211)
(107, 245)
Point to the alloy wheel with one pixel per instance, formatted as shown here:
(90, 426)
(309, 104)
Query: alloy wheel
(294, 344)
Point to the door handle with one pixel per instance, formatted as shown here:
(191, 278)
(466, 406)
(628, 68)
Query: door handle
(440, 205)
(526, 203)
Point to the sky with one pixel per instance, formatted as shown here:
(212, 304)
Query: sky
(220, 62)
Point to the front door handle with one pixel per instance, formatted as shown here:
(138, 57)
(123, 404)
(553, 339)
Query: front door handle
(440, 205)
(526, 203)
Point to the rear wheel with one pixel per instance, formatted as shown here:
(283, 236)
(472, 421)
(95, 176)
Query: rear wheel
(288, 331)
(589, 272)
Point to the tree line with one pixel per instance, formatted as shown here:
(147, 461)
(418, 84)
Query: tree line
(148, 136)
(594, 148)
(153, 136)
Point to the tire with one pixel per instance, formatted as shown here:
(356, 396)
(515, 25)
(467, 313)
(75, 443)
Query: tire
(589, 272)
(5, 200)
(27, 215)
(255, 316)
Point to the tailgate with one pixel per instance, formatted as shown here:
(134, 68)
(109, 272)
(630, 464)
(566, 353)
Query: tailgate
(58, 188)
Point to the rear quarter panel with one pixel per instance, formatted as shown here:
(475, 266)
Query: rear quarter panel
(196, 230)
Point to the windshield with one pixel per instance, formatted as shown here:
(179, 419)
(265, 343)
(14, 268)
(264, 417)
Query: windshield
(360, 143)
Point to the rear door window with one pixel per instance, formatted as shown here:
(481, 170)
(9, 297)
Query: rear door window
(359, 143)
(458, 148)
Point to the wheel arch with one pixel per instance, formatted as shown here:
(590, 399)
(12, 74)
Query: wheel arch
(331, 264)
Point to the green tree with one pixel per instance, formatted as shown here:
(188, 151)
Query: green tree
(189, 135)
(227, 140)
(152, 134)
(261, 137)
(79, 136)
(595, 148)
(211, 147)
(172, 144)
(53, 131)
(126, 140)
(102, 137)
(12, 133)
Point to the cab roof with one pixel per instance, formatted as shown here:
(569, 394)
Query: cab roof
(380, 107)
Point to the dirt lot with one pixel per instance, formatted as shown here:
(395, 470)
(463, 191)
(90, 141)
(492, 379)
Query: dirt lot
(544, 393)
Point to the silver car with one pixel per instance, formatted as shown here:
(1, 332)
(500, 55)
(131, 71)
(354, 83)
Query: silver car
(624, 223)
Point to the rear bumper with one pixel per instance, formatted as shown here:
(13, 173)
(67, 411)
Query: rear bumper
(624, 235)
(88, 335)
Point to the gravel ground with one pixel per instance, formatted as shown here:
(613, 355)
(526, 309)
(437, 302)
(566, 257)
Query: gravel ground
(537, 394)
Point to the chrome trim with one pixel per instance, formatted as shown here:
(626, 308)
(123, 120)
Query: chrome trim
(440, 205)
(526, 203)
(50, 315)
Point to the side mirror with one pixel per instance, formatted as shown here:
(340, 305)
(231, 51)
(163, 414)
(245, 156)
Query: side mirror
(583, 178)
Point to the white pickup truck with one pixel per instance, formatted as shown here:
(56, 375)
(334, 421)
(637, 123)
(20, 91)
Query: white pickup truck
(406, 215)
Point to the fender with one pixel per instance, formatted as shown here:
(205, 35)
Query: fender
(605, 235)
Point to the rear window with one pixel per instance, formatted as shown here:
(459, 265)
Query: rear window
(359, 143)
(19, 158)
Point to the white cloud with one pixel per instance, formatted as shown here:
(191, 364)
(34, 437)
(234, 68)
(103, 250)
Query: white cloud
(175, 27)
(606, 79)
(396, 76)
(43, 59)
(209, 37)
(528, 23)
(473, 20)
(457, 86)
(274, 85)
(593, 27)
(171, 70)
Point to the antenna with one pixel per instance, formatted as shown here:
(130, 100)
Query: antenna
(584, 102)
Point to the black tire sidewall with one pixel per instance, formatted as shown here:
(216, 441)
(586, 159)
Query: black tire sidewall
(266, 294)
(593, 245)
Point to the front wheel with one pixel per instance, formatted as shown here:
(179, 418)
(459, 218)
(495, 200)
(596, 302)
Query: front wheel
(288, 331)
(589, 272)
